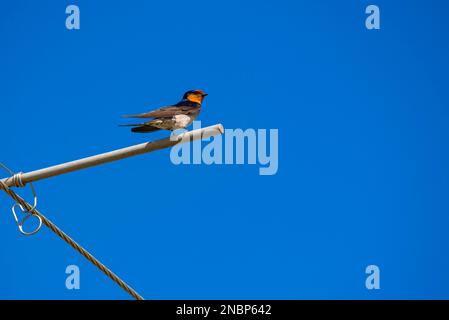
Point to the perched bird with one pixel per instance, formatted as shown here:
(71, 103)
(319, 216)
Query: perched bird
(177, 116)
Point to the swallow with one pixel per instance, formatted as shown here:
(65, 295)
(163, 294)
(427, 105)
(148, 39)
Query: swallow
(173, 117)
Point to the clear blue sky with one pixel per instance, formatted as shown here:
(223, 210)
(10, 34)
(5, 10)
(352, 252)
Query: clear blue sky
(363, 148)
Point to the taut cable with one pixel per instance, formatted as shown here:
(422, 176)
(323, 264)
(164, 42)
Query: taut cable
(32, 210)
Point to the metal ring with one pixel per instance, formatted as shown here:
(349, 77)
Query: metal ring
(27, 216)
(17, 180)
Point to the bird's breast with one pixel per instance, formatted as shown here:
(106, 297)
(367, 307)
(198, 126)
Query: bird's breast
(182, 120)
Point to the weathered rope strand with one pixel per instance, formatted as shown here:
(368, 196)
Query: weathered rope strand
(71, 242)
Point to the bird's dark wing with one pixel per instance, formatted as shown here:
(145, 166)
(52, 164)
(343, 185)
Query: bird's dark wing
(164, 112)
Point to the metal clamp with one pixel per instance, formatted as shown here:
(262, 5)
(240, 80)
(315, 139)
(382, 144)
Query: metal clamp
(27, 212)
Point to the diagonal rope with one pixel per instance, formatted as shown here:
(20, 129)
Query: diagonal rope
(70, 241)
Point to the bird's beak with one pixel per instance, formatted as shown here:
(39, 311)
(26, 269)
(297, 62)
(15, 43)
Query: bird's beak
(205, 94)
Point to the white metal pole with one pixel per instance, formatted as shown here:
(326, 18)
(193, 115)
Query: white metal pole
(21, 179)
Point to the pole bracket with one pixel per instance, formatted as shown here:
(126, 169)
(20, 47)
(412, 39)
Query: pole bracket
(28, 212)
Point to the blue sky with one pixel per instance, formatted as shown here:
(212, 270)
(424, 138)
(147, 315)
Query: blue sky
(363, 148)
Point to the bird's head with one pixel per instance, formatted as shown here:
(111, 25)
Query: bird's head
(196, 96)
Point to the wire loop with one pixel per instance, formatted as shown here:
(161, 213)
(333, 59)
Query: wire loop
(26, 217)
(28, 212)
